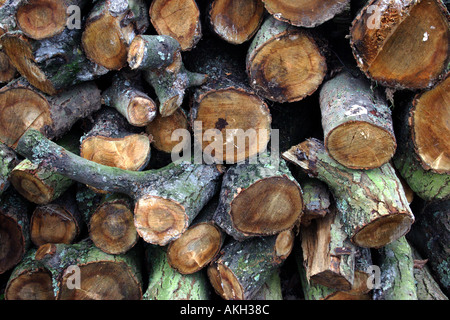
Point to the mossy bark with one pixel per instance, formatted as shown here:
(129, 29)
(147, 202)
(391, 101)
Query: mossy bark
(373, 204)
(317, 199)
(165, 283)
(271, 289)
(8, 161)
(397, 274)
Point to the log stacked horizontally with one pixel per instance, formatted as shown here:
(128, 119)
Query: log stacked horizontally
(224, 150)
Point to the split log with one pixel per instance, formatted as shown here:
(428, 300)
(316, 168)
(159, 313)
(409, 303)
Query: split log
(259, 199)
(166, 200)
(397, 276)
(305, 13)
(179, 19)
(427, 288)
(402, 44)
(373, 205)
(328, 254)
(30, 280)
(111, 223)
(430, 235)
(357, 123)
(109, 29)
(167, 284)
(271, 289)
(23, 107)
(164, 132)
(56, 222)
(243, 267)
(101, 276)
(40, 185)
(40, 19)
(51, 65)
(159, 57)
(199, 245)
(236, 21)
(127, 96)
(423, 155)
(284, 63)
(316, 199)
(113, 142)
(14, 229)
(8, 160)
(225, 110)
(7, 71)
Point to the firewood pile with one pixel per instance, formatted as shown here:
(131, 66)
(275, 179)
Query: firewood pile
(224, 150)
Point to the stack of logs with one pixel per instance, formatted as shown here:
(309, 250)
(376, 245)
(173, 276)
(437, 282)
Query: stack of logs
(92, 97)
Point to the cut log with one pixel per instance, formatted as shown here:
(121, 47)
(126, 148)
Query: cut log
(397, 275)
(430, 235)
(56, 222)
(8, 160)
(423, 155)
(328, 254)
(7, 71)
(427, 288)
(30, 280)
(101, 276)
(230, 122)
(243, 267)
(159, 57)
(51, 65)
(317, 200)
(357, 123)
(126, 95)
(305, 13)
(402, 44)
(259, 199)
(109, 29)
(40, 19)
(199, 245)
(166, 200)
(167, 284)
(14, 229)
(236, 21)
(373, 204)
(113, 142)
(164, 132)
(284, 63)
(23, 107)
(40, 185)
(179, 19)
(111, 225)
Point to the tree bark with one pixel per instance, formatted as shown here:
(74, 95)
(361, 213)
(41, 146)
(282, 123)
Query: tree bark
(309, 13)
(236, 21)
(23, 107)
(113, 142)
(166, 283)
(259, 199)
(179, 19)
(397, 275)
(199, 245)
(110, 28)
(357, 123)
(271, 289)
(243, 267)
(422, 158)
(8, 160)
(57, 222)
(14, 229)
(51, 65)
(373, 204)
(284, 63)
(402, 44)
(317, 199)
(225, 112)
(166, 200)
(430, 235)
(127, 96)
(159, 57)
